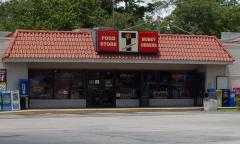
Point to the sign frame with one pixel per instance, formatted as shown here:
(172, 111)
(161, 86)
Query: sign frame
(106, 41)
(108, 45)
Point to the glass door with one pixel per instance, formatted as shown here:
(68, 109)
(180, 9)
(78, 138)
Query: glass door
(100, 85)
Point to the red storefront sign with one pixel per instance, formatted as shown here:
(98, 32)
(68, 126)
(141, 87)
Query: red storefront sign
(148, 42)
(107, 41)
(127, 41)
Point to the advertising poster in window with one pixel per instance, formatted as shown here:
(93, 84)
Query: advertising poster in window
(3, 79)
(128, 41)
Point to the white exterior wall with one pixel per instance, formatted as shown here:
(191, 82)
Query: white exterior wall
(212, 71)
(233, 71)
(15, 71)
(231, 41)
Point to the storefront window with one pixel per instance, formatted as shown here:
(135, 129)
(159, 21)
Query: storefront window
(149, 84)
(68, 85)
(174, 85)
(56, 84)
(106, 86)
(77, 87)
(127, 85)
(108, 79)
(41, 84)
(94, 79)
(181, 85)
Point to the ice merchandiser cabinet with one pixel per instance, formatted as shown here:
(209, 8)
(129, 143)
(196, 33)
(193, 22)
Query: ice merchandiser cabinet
(225, 97)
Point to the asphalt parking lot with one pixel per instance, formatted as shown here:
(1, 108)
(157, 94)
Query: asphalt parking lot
(122, 128)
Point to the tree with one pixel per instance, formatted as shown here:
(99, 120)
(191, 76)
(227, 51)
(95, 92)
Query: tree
(49, 14)
(203, 17)
(127, 12)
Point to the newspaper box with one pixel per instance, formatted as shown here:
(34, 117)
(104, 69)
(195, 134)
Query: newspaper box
(6, 101)
(15, 100)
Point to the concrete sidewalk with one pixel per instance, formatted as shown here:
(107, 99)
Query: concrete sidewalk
(100, 110)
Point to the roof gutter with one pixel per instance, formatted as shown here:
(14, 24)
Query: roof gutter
(34, 60)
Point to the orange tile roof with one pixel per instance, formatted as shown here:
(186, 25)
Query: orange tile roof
(79, 45)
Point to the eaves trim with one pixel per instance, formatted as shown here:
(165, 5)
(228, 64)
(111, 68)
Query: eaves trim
(34, 60)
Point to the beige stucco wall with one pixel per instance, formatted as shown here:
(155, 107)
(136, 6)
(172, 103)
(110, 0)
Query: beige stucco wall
(212, 71)
(233, 71)
(15, 71)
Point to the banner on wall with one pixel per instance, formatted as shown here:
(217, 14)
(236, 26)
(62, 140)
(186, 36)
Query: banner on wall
(127, 41)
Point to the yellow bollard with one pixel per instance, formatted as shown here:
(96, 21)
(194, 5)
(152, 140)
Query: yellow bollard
(219, 97)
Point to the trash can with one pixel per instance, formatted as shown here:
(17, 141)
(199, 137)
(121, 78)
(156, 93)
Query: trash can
(232, 99)
(210, 104)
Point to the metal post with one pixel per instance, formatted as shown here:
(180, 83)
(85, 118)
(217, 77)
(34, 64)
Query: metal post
(158, 24)
(113, 15)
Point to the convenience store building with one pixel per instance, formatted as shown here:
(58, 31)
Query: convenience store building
(109, 68)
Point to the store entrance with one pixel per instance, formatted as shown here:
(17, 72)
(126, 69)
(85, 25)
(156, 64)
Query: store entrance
(100, 89)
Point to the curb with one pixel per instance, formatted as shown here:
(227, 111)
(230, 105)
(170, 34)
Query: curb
(228, 109)
(104, 110)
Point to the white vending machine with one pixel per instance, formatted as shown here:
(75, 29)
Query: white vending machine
(15, 100)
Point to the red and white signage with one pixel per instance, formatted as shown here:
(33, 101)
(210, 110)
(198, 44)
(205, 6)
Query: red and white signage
(107, 41)
(148, 42)
(127, 41)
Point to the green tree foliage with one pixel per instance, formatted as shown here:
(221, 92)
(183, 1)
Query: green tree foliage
(209, 17)
(49, 14)
(203, 17)
(70, 14)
